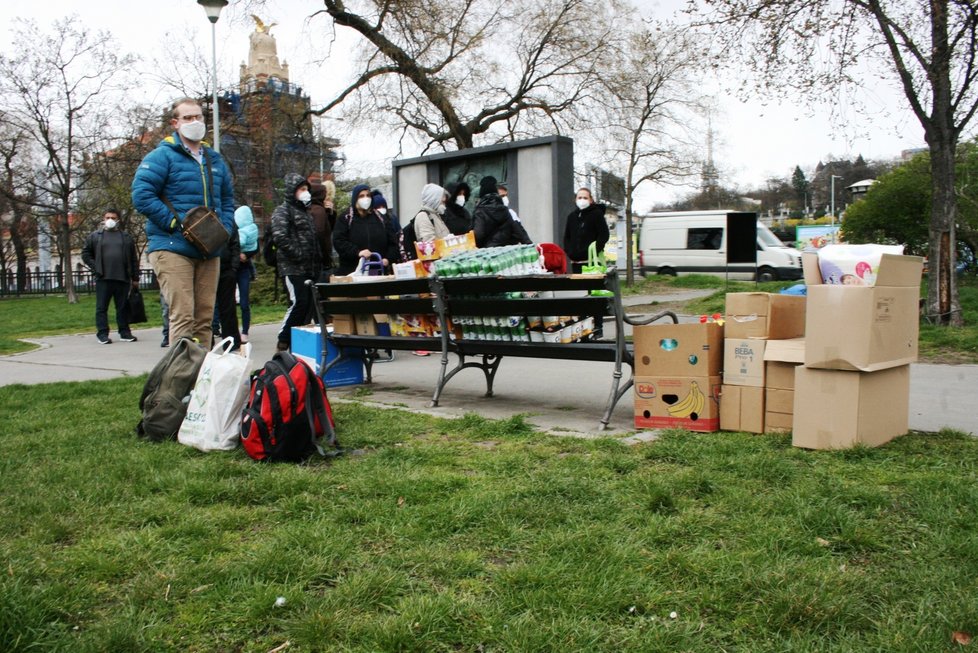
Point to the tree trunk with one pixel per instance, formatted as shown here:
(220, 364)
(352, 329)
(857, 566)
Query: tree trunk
(69, 275)
(943, 306)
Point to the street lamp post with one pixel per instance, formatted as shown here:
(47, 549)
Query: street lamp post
(213, 10)
(834, 177)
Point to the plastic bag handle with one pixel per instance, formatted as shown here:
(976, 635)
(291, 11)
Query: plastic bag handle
(592, 254)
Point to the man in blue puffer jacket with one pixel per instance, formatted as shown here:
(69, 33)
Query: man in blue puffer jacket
(187, 173)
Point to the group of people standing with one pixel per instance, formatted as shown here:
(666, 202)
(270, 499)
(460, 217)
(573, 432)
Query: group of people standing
(182, 173)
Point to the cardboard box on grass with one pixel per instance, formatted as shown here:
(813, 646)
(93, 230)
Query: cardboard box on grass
(781, 357)
(678, 349)
(743, 361)
(690, 403)
(764, 315)
(838, 409)
(865, 328)
(307, 345)
(742, 408)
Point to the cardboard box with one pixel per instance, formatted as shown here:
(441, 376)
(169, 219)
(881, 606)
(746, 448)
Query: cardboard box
(425, 250)
(865, 328)
(742, 408)
(678, 349)
(454, 243)
(344, 324)
(837, 409)
(366, 325)
(781, 357)
(414, 325)
(778, 422)
(307, 345)
(778, 400)
(743, 361)
(764, 315)
(413, 269)
(690, 403)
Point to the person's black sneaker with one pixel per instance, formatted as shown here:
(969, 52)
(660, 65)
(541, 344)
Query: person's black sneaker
(104, 340)
(165, 343)
(128, 338)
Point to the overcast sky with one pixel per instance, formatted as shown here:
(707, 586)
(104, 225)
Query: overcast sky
(753, 141)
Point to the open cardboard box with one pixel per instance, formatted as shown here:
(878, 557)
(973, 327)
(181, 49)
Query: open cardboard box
(764, 315)
(865, 328)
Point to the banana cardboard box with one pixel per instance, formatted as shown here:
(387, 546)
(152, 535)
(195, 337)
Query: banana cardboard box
(691, 403)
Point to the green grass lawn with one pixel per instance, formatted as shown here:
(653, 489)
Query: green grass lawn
(472, 535)
(32, 317)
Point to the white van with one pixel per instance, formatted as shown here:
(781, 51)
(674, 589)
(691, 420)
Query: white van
(695, 242)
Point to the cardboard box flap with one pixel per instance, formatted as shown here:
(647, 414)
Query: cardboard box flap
(785, 351)
(810, 269)
(746, 304)
(894, 270)
(900, 270)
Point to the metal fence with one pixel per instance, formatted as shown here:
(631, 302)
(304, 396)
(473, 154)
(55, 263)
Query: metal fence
(53, 283)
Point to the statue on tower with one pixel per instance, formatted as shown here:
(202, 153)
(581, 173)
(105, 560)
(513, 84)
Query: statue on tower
(260, 26)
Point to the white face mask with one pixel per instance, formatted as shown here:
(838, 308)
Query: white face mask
(505, 199)
(381, 210)
(111, 224)
(193, 131)
(364, 203)
(440, 210)
(305, 197)
(460, 200)
(582, 204)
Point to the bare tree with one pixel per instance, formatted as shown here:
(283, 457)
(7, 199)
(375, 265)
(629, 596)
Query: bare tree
(450, 71)
(15, 204)
(929, 48)
(651, 102)
(58, 89)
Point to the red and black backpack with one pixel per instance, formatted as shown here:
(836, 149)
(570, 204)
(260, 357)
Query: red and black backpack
(288, 413)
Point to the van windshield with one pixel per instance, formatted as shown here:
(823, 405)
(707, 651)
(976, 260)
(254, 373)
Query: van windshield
(767, 237)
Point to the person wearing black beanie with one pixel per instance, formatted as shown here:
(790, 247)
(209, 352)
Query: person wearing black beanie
(492, 222)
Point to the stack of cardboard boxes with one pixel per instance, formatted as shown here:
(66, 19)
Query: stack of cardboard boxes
(756, 324)
(832, 367)
(677, 376)
(855, 385)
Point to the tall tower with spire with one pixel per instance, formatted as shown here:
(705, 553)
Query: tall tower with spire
(709, 177)
(270, 131)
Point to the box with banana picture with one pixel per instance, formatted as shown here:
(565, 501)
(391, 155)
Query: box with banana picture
(691, 403)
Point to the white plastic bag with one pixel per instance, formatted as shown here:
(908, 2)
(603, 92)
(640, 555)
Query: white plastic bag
(853, 265)
(214, 412)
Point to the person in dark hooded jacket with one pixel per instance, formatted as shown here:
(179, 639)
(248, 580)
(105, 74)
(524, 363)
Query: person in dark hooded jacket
(362, 231)
(585, 225)
(323, 217)
(298, 253)
(457, 218)
(492, 222)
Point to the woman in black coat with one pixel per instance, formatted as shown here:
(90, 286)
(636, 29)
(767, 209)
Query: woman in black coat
(585, 225)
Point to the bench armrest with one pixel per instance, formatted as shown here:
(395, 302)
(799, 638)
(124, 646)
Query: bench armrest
(648, 320)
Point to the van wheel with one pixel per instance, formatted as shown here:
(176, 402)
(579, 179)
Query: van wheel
(767, 274)
(667, 272)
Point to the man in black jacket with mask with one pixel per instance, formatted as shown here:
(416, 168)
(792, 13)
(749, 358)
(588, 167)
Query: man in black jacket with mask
(111, 254)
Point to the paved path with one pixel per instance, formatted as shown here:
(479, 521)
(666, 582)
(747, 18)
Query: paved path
(557, 396)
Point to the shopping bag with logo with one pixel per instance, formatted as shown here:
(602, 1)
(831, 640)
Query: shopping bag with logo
(214, 411)
(596, 265)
